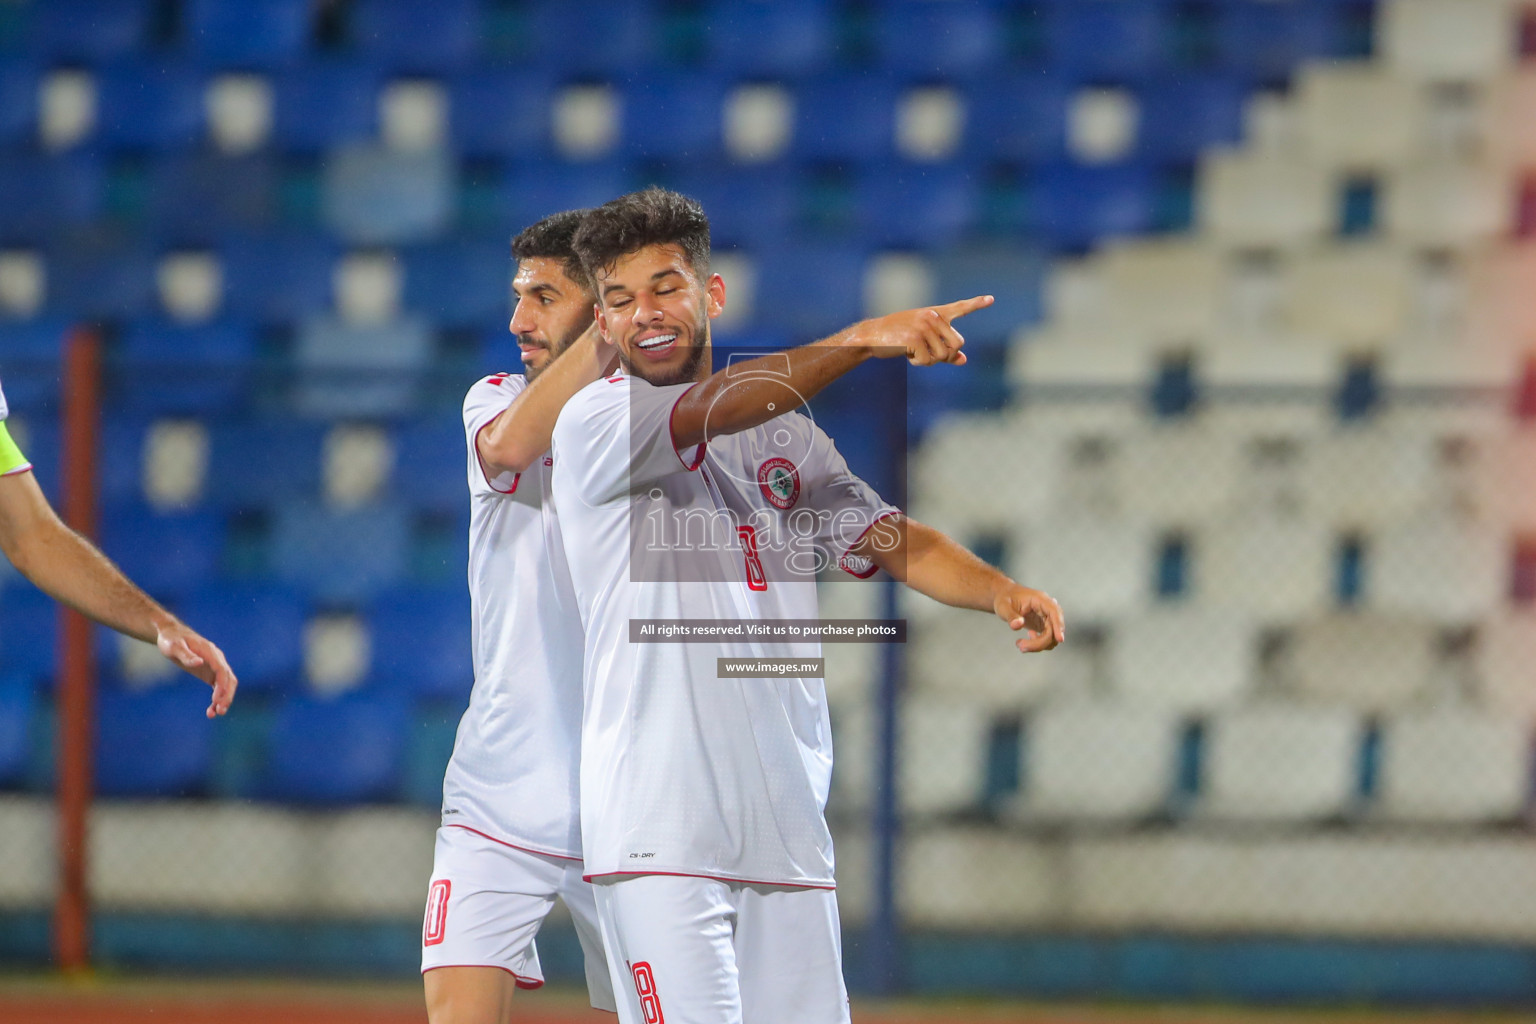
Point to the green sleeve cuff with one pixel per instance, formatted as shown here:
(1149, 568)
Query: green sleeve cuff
(11, 458)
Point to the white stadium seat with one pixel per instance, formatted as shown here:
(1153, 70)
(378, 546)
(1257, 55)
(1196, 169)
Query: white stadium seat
(941, 750)
(1350, 296)
(984, 473)
(1097, 566)
(1183, 658)
(1359, 660)
(1273, 568)
(1162, 291)
(1359, 477)
(1507, 482)
(1356, 116)
(1454, 765)
(1510, 132)
(1263, 201)
(1448, 40)
(1446, 569)
(967, 655)
(1097, 761)
(1280, 763)
(1178, 473)
(1445, 203)
(1505, 659)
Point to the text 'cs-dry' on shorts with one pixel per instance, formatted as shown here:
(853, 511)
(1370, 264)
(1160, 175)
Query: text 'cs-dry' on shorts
(487, 901)
(707, 951)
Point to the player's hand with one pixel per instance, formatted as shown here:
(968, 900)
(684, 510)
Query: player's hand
(927, 335)
(1033, 611)
(606, 353)
(202, 658)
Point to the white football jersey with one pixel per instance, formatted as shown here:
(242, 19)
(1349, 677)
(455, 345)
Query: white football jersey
(513, 772)
(683, 771)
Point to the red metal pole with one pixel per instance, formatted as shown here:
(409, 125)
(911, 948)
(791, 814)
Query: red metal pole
(72, 912)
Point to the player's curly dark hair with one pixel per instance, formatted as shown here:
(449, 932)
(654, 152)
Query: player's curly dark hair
(551, 239)
(652, 216)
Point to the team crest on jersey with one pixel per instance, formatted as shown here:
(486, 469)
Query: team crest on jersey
(780, 482)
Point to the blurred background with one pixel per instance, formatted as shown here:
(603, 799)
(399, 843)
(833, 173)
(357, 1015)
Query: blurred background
(1255, 403)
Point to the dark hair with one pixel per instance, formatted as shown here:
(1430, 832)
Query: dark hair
(652, 216)
(551, 239)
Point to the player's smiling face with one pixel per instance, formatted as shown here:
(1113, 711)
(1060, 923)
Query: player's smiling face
(552, 311)
(654, 308)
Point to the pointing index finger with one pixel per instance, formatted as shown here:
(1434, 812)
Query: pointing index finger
(950, 311)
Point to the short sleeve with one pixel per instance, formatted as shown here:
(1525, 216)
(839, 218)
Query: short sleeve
(614, 437)
(847, 507)
(11, 459)
(486, 400)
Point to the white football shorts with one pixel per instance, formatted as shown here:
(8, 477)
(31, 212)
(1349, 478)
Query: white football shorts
(714, 952)
(487, 901)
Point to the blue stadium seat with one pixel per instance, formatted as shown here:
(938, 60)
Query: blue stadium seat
(1078, 206)
(167, 554)
(18, 102)
(361, 371)
(30, 352)
(341, 555)
(154, 744)
(378, 196)
(460, 283)
(89, 31)
(348, 749)
(47, 193)
(29, 629)
(535, 190)
(100, 275)
(422, 642)
(938, 37)
(247, 33)
(197, 198)
(1107, 39)
(277, 278)
(673, 117)
(18, 705)
(917, 206)
(753, 207)
(1264, 42)
(865, 443)
(431, 463)
(119, 456)
(770, 38)
(1183, 115)
(811, 290)
(178, 369)
(417, 36)
(253, 463)
(318, 105)
(845, 119)
(259, 627)
(149, 106)
(500, 112)
(1011, 274)
(1016, 118)
(564, 33)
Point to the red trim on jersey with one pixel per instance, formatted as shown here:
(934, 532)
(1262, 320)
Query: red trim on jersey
(522, 982)
(514, 846)
(698, 455)
(856, 541)
(712, 878)
(481, 462)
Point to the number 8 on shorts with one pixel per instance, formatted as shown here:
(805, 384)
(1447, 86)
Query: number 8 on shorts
(645, 988)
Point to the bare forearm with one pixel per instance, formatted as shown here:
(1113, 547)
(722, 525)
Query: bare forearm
(70, 569)
(522, 433)
(934, 565)
(747, 394)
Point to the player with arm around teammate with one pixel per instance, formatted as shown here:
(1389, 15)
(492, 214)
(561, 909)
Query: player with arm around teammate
(70, 569)
(703, 793)
(509, 841)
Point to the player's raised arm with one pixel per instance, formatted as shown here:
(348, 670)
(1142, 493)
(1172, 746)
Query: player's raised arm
(933, 564)
(70, 569)
(746, 394)
(521, 433)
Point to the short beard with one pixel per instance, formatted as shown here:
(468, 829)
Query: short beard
(687, 373)
(555, 352)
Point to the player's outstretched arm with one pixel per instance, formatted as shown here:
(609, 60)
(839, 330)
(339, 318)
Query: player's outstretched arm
(513, 440)
(742, 396)
(933, 564)
(70, 569)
